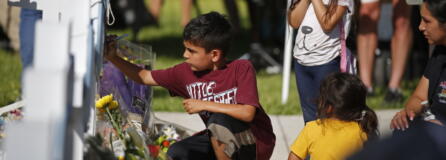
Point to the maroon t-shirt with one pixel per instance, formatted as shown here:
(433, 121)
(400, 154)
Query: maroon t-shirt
(233, 84)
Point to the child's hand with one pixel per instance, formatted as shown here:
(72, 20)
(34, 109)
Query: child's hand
(193, 105)
(110, 47)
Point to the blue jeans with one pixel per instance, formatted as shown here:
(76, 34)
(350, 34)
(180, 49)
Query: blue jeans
(28, 18)
(308, 80)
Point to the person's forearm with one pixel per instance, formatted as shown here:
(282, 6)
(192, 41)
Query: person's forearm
(244, 113)
(414, 104)
(297, 14)
(132, 71)
(419, 95)
(328, 23)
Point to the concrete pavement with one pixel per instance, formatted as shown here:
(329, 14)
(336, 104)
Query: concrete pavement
(286, 128)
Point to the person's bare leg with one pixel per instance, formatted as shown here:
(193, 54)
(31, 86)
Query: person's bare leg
(401, 41)
(155, 8)
(367, 40)
(186, 7)
(219, 149)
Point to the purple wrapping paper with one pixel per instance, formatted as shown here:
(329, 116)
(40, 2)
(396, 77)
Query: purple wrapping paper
(114, 80)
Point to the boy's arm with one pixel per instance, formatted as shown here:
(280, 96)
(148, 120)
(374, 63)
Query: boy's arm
(132, 71)
(297, 12)
(241, 112)
(328, 23)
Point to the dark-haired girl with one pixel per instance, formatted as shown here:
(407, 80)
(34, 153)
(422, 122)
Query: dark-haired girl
(344, 121)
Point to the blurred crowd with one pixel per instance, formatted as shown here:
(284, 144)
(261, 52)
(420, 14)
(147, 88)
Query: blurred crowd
(374, 37)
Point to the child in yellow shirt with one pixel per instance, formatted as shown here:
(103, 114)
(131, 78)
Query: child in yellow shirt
(344, 121)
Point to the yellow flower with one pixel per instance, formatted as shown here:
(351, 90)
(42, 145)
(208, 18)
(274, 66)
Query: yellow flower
(107, 98)
(99, 104)
(104, 101)
(114, 104)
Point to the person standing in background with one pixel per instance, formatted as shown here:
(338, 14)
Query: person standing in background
(186, 6)
(367, 43)
(322, 26)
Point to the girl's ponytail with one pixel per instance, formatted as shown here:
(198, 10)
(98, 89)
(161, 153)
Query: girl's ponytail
(369, 123)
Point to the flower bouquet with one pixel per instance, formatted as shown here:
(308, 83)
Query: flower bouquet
(162, 141)
(135, 98)
(123, 138)
(125, 124)
(123, 107)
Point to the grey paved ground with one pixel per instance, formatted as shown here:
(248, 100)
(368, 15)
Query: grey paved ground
(286, 128)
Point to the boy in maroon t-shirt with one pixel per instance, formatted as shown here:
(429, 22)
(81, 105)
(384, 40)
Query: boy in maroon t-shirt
(223, 93)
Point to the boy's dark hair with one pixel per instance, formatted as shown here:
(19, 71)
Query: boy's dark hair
(210, 31)
(347, 95)
(438, 9)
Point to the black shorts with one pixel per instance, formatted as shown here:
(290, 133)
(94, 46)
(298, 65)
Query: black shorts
(236, 134)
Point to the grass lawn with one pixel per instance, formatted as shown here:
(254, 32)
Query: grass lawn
(10, 77)
(167, 43)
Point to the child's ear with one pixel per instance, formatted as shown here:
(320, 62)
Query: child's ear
(216, 55)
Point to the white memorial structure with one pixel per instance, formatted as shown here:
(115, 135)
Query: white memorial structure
(59, 89)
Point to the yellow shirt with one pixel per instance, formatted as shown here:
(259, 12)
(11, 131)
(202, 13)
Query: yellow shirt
(329, 139)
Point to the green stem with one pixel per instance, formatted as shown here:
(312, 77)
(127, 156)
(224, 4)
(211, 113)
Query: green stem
(111, 141)
(115, 125)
